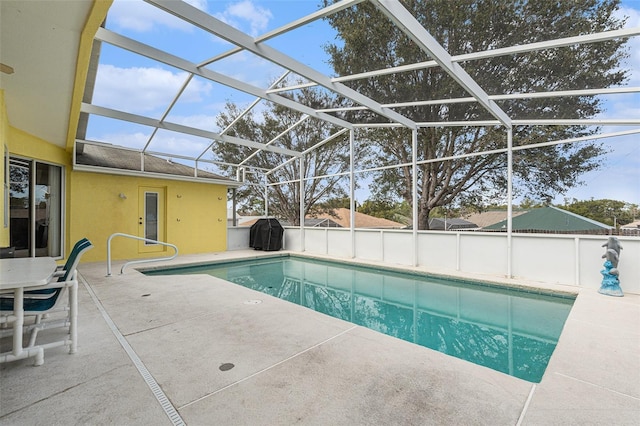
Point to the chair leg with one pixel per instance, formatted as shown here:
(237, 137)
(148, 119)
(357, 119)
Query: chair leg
(32, 336)
(73, 316)
(39, 357)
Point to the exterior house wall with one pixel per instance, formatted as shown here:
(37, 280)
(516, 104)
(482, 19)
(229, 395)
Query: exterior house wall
(195, 214)
(25, 145)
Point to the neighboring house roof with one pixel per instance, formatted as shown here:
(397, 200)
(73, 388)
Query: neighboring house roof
(491, 217)
(450, 224)
(341, 216)
(550, 219)
(242, 220)
(315, 223)
(308, 222)
(116, 159)
(249, 221)
(632, 225)
(340, 219)
(321, 223)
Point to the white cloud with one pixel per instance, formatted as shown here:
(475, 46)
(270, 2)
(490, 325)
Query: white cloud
(135, 140)
(200, 4)
(627, 106)
(633, 16)
(248, 68)
(164, 141)
(136, 15)
(143, 90)
(197, 121)
(246, 14)
(617, 178)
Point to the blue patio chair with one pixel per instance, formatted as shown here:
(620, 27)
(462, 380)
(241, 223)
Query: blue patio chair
(50, 298)
(60, 272)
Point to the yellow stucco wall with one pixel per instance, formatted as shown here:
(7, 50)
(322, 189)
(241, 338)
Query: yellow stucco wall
(28, 146)
(195, 214)
(93, 208)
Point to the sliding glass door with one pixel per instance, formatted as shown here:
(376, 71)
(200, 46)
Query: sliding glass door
(35, 213)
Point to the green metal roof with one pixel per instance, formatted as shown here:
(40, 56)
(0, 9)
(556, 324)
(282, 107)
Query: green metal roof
(550, 219)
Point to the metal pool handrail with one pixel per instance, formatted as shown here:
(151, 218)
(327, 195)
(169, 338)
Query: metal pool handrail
(131, 262)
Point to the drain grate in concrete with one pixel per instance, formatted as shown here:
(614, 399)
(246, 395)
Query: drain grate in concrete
(151, 382)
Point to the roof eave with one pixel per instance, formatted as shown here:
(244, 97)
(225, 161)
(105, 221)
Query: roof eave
(137, 173)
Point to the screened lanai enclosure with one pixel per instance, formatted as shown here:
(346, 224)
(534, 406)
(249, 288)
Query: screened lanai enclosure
(430, 103)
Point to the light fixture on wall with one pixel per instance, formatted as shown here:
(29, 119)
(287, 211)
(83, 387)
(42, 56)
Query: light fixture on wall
(122, 195)
(6, 68)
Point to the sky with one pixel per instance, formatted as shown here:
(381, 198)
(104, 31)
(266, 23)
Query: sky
(132, 84)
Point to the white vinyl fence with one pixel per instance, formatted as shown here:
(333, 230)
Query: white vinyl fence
(574, 260)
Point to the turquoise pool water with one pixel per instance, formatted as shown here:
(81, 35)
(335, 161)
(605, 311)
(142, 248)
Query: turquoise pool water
(509, 331)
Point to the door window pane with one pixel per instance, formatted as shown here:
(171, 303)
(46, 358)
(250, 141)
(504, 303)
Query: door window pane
(47, 209)
(151, 216)
(20, 203)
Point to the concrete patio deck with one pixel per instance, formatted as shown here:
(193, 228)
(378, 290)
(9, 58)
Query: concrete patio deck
(292, 365)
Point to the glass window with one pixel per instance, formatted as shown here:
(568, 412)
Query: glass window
(151, 216)
(35, 208)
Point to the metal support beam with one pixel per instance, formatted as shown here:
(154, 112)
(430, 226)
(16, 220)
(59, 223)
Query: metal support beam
(220, 29)
(414, 192)
(272, 141)
(352, 194)
(322, 13)
(509, 202)
(309, 150)
(532, 95)
(266, 197)
(406, 22)
(512, 50)
(243, 113)
(302, 206)
(177, 62)
(151, 122)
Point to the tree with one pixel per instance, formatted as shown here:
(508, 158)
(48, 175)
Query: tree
(284, 199)
(331, 204)
(387, 209)
(611, 212)
(369, 41)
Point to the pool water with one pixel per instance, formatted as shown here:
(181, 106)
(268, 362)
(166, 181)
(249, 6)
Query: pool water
(510, 331)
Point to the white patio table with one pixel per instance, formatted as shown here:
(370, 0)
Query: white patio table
(16, 275)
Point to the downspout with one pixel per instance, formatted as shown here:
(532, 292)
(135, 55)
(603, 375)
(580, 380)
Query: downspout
(234, 207)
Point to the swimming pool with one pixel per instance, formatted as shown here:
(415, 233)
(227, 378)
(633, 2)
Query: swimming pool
(514, 332)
